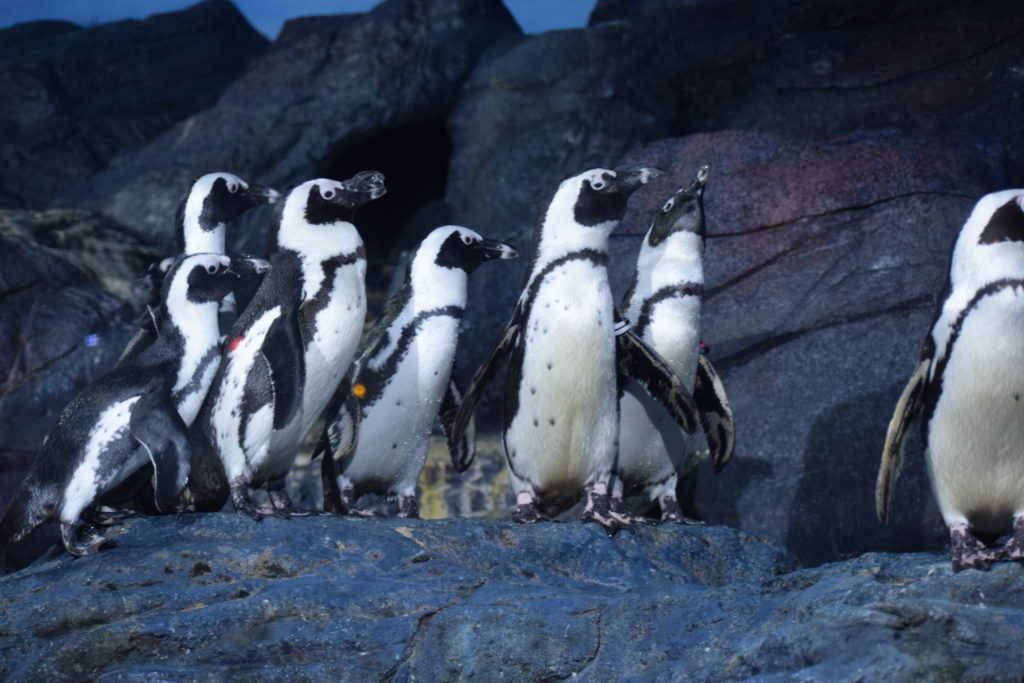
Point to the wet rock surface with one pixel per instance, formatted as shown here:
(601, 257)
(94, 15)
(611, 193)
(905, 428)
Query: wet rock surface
(219, 596)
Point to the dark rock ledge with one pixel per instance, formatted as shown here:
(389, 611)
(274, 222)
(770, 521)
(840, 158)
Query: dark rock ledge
(215, 597)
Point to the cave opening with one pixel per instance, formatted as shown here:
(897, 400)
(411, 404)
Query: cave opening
(414, 161)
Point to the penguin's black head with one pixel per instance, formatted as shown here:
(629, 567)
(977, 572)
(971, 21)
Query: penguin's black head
(603, 193)
(218, 198)
(329, 201)
(465, 249)
(208, 278)
(1006, 224)
(683, 212)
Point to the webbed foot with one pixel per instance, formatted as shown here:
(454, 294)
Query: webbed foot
(672, 513)
(1014, 548)
(408, 507)
(599, 510)
(79, 547)
(968, 551)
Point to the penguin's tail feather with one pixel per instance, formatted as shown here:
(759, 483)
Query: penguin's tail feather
(31, 506)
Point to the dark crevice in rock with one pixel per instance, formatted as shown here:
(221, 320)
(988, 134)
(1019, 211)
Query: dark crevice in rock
(839, 211)
(767, 343)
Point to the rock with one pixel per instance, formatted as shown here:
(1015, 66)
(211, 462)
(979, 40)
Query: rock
(323, 87)
(73, 98)
(219, 596)
(822, 270)
(59, 328)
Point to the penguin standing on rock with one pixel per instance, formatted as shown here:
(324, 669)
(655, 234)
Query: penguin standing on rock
(968, 390)
(565, 349)
(137, 414)
(664, 302)
(213, 200)
(379, 432)
(287, 352)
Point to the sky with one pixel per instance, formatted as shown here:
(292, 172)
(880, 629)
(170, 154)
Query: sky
(267, 16)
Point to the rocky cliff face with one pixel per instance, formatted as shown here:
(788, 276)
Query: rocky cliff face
(848, 141)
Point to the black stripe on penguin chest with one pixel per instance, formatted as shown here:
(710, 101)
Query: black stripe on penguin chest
(376, 381)
(647, 309)
(933, 391)
(325, 292)
(514, 372)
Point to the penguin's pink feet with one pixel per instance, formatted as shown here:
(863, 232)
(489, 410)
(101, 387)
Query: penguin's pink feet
(348, 505)
(79, 547)
(672, 513)
(526, 511)
(1014, 548)
(599, 510)
(243, 505)
(968, 551)
(408, 507)
(281, 504)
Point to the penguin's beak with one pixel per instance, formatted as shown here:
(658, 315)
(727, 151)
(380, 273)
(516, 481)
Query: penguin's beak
(262, 195)
(244, 266)
(361, 188)
(491, 249)
(630, 179)
(699, 181)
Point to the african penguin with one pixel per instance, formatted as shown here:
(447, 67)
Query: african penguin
(663, 303)
(135, 415)
(967, 390)
(565, 349)
(212, 201)
(288, 351)
(379, 432)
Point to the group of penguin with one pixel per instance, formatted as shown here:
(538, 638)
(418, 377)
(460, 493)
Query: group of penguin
(607, 408)
(191, 416)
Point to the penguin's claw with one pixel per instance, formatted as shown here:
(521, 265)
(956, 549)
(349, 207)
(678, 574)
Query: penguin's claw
(672, 513)
(526, 513)
(408, 507)
(599, 510)
(1014, 548)
(242, 504)
(969, 552)
(79, 548)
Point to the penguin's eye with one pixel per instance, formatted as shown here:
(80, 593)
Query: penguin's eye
(328, 193)
(668, 206)
(597, 184)
(232, 187)
(212, 268)
(467, 240)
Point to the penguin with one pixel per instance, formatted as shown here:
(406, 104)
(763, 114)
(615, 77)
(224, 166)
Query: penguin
(565, 348)
(966, 392)
(379, 433)
(288, 350)
(135, 415)
(212, 201)
(664, 302)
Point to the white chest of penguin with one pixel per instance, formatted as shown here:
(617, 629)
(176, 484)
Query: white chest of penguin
(336, 330)
(981, 411)
(399, 422)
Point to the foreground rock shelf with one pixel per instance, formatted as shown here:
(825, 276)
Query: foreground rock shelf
(203, 597)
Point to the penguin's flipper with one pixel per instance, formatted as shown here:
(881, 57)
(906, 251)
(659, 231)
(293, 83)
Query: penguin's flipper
(338, 443)
(908, 409)
(644, 365)
(282, 349)
(461, 449)
(484, 374)
(715, 413)
(142, 339)
(158, 428)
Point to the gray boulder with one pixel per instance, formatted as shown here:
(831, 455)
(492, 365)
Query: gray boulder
(325, 85)
(204, 597)
(824, 264)
(73, 98)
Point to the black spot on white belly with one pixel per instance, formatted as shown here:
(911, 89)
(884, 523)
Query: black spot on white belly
(551, 421)
(550, 365)
(536, 422)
